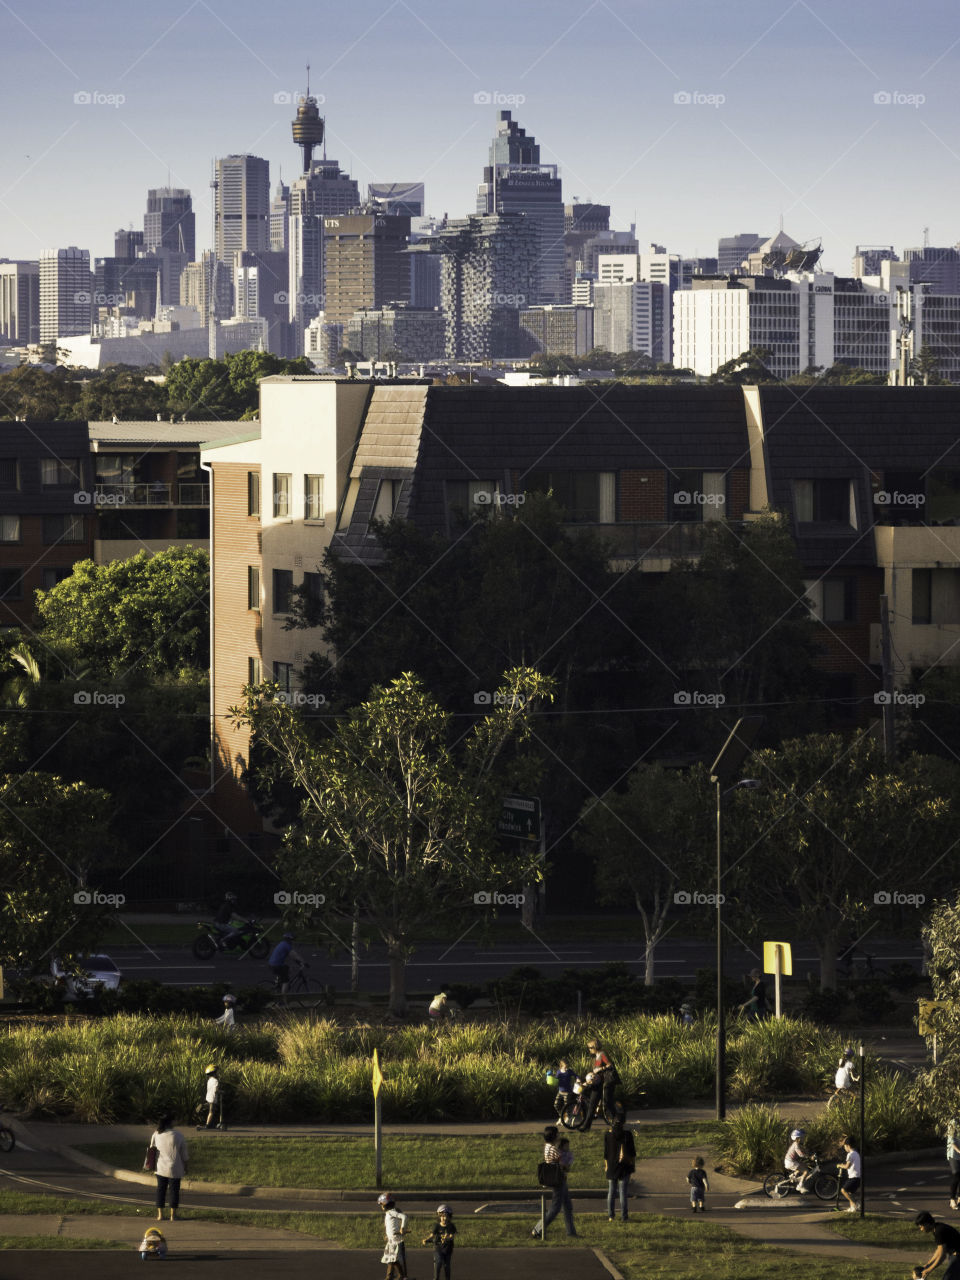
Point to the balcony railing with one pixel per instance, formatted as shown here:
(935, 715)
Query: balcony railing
(654, 540)
(150, 493)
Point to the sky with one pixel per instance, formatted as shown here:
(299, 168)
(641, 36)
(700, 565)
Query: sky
(693, 119)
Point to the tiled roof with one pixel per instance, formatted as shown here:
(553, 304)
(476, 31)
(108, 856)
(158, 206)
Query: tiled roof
(170, 434)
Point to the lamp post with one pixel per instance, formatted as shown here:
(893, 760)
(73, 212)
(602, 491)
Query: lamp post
(724, 769)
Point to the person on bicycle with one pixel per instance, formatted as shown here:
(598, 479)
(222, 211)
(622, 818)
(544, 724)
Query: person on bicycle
(605, 1080)
(844, 1080)
(227, 932)
(279, 962)
(795, 1161)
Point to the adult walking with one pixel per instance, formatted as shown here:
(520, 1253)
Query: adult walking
(953, 1160)
(561, 1194)
(755, 1008)
(947, 1240)
(619, 1162)
(172, 1157)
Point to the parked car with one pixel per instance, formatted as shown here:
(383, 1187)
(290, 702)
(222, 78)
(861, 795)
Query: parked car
(91, 973)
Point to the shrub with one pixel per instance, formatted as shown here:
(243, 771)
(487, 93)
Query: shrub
(754, 1139)
(872, 1001)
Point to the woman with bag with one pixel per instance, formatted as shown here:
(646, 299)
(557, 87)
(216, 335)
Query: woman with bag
(551, 1173)
(167, 1157)
(619, 1161)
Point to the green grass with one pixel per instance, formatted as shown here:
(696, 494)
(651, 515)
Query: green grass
(885, 1233)
(410, 1162)
(57, 1242)
(647, 1246)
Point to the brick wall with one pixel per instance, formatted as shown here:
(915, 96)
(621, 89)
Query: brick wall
(738, 492)
(643, 495)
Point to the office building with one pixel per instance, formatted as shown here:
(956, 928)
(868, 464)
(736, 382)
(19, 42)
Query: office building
(560, 331)
(938, 269)
(195, 286)
(580, 223)
(279, 213)
(241, 206)
(632, 316)
(604, 242)
(409, 334)
(325, 191)
(128, 285)
(127, 244)
(515, 182)
(260, 292)
(868, 257)
(169, 221)
(66, 288)
(731, 251)
(19, 302)
(365, 264)
(404, 198)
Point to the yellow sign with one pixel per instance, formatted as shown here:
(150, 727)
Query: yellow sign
(928, 1007)
(1, 982)
(377, 1074)
(770, 958)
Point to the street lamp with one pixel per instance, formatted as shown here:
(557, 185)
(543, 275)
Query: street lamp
(722, 773)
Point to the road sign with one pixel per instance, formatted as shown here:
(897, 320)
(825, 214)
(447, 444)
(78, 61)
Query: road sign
(928, 1009)
(770, 964)
(520, 817)
(377, 1074)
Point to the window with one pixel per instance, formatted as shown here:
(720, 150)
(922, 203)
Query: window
(313, 497)
(11, 584)
(9, 528)
(254, 671)
(696, 495)
(471, 497)
(313, 587)
(901, 499)
(282, 590)
(833, 599)
(283, 675)
(69, 529)
(9, 474)
(387, 496)
(281, 496)
(117, 468)
(936, 597)
(921, 584)
(588, 497)
(50, 577)
(824, 502)
(60, 472)
(943, 495)
(253, 586)
(253, 493)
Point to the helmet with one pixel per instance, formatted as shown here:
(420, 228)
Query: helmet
(685, 1007)
(288, 937)
(209, 1071)
(385, 1199)
(589, 1077)
(848, 1053)
(444, 1208)
(229, 999)
(796, 1134)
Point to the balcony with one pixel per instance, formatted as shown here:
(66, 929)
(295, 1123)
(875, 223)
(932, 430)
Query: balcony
(652, 545)
(151, 493)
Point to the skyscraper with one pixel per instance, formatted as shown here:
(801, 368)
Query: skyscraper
(365, 264)
(279, 213)
(241, 206)
(516, 182)
(127, 244)
(404, 198)
(169, 221)
(326, 191)
(731, 250)
(66, 286)
(19, 302)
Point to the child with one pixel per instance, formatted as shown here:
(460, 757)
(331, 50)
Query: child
(686, 1016)
(844, 1080)
(153, 1244)
(697, 1177)
(441, 1237)
(565, 1081)
(566, 1155)
(395, 1225)
(852, 1168)
(228, 1019)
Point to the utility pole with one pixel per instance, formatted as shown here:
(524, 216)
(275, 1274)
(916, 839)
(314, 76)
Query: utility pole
(886, 660)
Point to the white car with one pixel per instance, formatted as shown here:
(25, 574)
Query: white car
(97, 971)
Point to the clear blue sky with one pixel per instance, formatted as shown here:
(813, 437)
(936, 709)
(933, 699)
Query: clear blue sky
(798, 130)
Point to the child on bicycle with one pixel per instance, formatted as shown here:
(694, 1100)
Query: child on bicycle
(844, 1080)
(795, 1161)
(566, 1078)
(152, 1245)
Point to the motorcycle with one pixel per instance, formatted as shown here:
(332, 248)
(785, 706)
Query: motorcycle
(250, 939)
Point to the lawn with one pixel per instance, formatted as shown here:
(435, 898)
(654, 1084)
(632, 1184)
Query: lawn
(410, 1162)
(888, 1233)
(57, 1242)
(647, 1246)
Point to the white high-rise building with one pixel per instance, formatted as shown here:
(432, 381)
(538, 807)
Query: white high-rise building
(19, 302)
(632, 316)
(66, 290)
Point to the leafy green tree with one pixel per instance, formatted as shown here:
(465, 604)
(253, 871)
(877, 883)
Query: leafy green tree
(925, 367)
(399, 807)
(650, 842)
(937, 1089)
(123, 392)
(51, 843)
(148, 614)
(833, 834)
(39, 395)
(748, 368)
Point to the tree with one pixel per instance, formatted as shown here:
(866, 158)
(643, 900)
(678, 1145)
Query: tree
(650, 842)
(925, 367)
(833, 834)
(39, 395)
(50, 843)
(148, 614)
(937, 1090)
(748, 368)
(123, 392)
(397, 822)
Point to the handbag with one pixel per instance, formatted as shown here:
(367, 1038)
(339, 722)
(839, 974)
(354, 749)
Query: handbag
(150, 1159)
(549, 1174)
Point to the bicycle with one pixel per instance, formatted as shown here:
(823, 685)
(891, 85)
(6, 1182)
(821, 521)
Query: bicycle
(823, 1185)
(577, 1113)
(8, 1139)
(300, 990)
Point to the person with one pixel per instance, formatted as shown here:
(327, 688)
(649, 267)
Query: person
(697, 1178)
(947, 1240)
(153, 1244)
(561, 1195)
(844, 1080)
(172, 1157)
(279, 962)
(394, 1225)
(211, 1096)
(565, 1082)
(441, 1237)
(228, 1019)
(953, 1160)
(852, 1169)
(605, 1081)
(795, 1158)
(619, 1162)
(686, 1017)
(755, 1008)
(439, 1009)
(227, 909)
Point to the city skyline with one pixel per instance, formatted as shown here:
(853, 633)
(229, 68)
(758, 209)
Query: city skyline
(697, 122)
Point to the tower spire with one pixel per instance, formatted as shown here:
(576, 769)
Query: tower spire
(308, 126)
